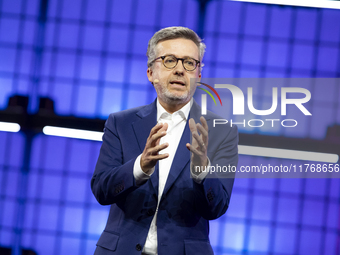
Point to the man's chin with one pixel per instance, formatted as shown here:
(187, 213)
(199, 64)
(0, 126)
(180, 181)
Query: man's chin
(177, 98)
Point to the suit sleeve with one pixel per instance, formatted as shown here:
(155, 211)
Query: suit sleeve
(212, 195)
(113, 177)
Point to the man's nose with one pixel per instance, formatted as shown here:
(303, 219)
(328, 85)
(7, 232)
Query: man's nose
(179, 69)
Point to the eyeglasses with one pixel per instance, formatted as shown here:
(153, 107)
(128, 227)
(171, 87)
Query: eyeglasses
(170, 61)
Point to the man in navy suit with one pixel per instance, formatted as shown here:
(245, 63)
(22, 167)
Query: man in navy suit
(148, 171)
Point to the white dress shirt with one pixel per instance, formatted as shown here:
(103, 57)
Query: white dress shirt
(176, 124)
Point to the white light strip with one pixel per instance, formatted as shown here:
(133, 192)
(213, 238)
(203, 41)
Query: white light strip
(288, 154)
(9, 127)
(73, 133)
(242, 149)
(303, 3)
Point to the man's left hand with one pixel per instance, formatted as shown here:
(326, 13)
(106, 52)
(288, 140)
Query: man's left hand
(199, 142)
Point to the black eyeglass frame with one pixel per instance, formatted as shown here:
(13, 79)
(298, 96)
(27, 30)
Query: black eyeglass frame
(198, 63)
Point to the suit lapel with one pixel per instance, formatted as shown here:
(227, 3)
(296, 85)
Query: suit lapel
(154, 179)
(142, 128)
(180, 161)
(182, 156)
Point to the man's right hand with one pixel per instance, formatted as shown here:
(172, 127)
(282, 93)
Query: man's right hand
(150, 154)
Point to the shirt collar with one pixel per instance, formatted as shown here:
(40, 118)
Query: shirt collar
(183, 112)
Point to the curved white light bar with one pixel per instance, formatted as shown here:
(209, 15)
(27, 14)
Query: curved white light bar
(242, 149)
(73, 133)
(288, 154)
(304, 3)
(9, 127)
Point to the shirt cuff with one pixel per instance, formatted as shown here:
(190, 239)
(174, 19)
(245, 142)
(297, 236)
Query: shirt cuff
(200, 177)
(138, 173)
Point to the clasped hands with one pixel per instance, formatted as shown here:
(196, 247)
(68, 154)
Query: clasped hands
(199, 145)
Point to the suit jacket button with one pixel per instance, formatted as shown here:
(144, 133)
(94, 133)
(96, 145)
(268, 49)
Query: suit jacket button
(138, 247)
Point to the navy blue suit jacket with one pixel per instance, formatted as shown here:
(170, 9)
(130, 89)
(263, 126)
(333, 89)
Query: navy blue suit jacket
(185, 207)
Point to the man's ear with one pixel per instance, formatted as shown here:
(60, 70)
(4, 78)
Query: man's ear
(149, 73)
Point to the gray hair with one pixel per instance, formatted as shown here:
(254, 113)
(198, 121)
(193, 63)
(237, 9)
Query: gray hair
(169, 33)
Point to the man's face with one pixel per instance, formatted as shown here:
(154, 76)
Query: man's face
(174, 87)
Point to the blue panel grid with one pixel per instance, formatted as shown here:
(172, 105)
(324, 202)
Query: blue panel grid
(306, 21)
(280, 22)
(259, 243)
(95, 10)
(93, 38)
(255, 20)
(234, 236)
(9, 30)
(330, 26)
(310, 242)
(68, 35)
(285, 240)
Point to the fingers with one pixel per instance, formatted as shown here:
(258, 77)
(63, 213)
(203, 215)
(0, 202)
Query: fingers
(155, 150)
(154, 158)
(194, 133)
(202, 139)
(194, 150)
(156, 133)
(155, 139)
(192, 125)
(198, 139)
(203, 128)
(151, 155)
(204, 123)
(163, 132)
(158, 127)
